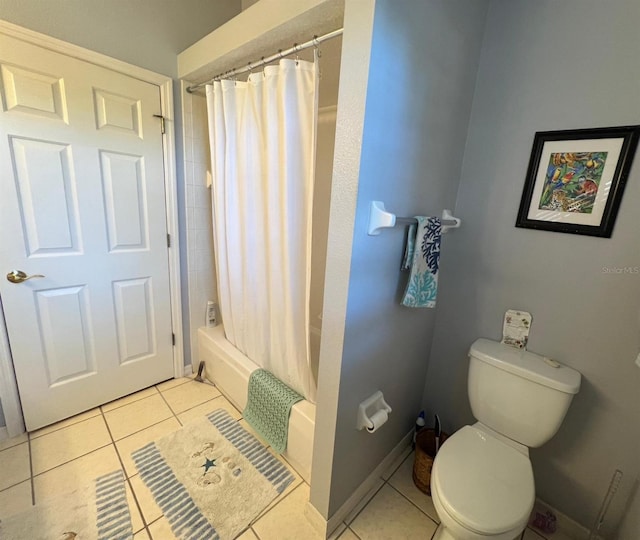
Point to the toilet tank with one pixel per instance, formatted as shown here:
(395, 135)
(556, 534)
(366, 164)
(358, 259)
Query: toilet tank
(519, 394)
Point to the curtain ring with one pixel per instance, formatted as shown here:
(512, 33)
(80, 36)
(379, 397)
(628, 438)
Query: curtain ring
(280, 54)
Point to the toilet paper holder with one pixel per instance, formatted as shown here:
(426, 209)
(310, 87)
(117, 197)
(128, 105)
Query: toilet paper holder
(368, 408)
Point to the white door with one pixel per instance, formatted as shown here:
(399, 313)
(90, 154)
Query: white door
(82, 203)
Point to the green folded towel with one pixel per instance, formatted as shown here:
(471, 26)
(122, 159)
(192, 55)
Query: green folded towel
(268, 408)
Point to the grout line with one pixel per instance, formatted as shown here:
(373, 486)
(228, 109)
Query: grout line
(139, 430)
(149, 526)
(352, 531)
(127, 479)
(70, 460)
(254, 532)
(398, 467)
(183, 379)
(128, 402)
(199, 405)
(33, 490)
(410, 501)
(171, 409)
(367, 504)
(265, 511)
(34, 436)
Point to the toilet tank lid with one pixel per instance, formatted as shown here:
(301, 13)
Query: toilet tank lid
(527, 365)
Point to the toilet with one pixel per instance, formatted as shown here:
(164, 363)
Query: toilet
(482, 482)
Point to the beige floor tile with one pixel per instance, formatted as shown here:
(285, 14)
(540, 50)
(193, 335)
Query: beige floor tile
(68, 443)
(136, 416)
(65, 423)
(14, 464)
(364, 501)
(389, 516)
(402, 480)
(150, 510)
(287, 521)
(396, 463)
(530, 534)
(188, 395)
(205, 408)
(338, 532)
(138, 440)
(161, 530)
(136, 519)
(297, 480)
(348, 534)
(13, 441)
(131, 398)
(76, 473)
(142, 535)
(171, 383)
(248, 535)
(16, 499)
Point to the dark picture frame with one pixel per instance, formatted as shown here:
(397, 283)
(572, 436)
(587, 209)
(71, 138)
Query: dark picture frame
(576, 178)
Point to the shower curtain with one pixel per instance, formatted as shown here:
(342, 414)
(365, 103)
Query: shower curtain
(262, 136)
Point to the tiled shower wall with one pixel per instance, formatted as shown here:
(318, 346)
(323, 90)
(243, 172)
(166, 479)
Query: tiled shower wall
(200, 255)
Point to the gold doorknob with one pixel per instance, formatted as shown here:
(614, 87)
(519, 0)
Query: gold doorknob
(18, 276)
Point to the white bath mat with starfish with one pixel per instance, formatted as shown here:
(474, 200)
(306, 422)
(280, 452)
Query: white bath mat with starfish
(211, 478)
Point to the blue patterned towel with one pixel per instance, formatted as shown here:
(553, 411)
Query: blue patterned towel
(422, 287)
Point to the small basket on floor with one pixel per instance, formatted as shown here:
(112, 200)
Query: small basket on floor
(425, 453)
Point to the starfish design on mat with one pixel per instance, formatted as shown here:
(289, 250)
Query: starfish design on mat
(208, 464)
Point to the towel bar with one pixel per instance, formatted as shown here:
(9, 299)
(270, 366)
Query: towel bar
(379, 219)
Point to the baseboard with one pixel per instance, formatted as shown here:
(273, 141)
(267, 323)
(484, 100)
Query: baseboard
(360, 497)
(566, 527)
(188, 370)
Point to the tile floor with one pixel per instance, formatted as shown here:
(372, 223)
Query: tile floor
(72, 452)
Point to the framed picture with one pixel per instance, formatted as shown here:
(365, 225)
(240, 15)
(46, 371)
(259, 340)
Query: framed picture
(576, 178)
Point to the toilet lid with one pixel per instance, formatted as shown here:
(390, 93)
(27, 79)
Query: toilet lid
(484, 484)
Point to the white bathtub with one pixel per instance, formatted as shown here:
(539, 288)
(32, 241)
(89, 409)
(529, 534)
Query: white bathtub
(229, 370)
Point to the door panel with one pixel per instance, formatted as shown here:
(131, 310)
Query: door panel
(82, 202)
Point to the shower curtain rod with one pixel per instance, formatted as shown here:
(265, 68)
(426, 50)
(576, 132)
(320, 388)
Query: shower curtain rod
(264, 61)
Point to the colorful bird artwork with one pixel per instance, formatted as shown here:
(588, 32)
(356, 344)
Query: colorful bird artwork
(572, 181)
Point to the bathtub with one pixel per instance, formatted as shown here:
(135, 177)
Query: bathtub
(229, 370)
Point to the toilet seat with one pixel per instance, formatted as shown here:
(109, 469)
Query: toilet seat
(482, 483)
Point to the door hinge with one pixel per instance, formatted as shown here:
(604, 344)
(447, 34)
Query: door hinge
(161, 122)
(168, 240)
(173, 339)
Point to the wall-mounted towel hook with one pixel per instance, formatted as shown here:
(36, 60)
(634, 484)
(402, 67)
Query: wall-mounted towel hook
(447, 218)
(379, 218)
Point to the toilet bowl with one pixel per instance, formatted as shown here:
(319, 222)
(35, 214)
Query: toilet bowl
(482, 482)
(482, 488)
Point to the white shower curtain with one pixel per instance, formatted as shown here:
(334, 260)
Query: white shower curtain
(262, 136)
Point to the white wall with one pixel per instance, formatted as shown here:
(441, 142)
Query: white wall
(549, 65)
(146, 33)
(421, 76)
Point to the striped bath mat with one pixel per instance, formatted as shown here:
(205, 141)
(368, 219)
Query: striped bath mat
(98, 511)
(211, 478)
